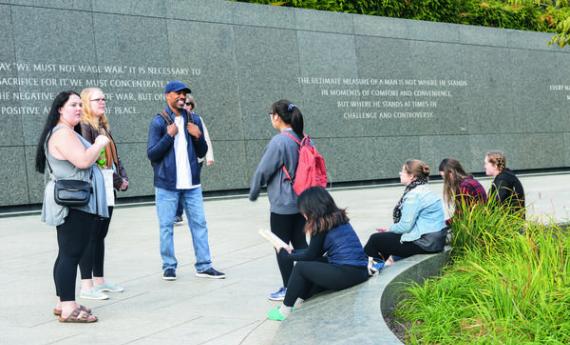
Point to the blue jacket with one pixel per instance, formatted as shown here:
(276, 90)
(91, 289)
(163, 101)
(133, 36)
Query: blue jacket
(422, 213)
(160, 150)
(340, 245)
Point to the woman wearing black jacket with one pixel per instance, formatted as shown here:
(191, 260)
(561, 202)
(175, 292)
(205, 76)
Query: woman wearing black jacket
(506, 189)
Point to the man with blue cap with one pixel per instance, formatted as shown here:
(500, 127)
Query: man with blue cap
(175, 142)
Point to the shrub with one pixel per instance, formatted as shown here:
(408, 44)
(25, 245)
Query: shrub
(509, 283)
(534, 15)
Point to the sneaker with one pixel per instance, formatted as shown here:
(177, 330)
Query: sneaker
(275, 314)
(109, 287)
(278, 295)
(375, 267)
(211, 273)
(93, 294)
(178, 220)
(169, 274)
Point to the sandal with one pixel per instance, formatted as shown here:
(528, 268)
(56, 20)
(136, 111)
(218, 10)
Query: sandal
(78, 316)
(57, 312)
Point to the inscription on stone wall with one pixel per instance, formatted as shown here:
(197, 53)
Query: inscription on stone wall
(386, 98)
(561, 89)
(124, 86)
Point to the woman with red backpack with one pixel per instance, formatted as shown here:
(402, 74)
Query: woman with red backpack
(276, 171)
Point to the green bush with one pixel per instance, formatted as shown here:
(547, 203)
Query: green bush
(509, 283)
(534, 15)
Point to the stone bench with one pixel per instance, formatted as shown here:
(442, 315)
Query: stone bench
(355, 315)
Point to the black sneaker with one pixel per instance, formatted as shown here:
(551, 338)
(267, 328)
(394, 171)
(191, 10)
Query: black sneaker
(178, 220)
(169, 274)
(211, 273)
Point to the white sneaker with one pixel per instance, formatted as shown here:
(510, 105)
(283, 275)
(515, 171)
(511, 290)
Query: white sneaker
(109, 287)
(93, 294)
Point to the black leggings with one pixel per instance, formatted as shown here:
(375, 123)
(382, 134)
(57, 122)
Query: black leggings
(72, 239)
(290, 229)
(383, 244)
(91, 264)
(311, 277)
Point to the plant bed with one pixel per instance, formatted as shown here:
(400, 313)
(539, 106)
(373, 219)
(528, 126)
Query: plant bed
(508, 282)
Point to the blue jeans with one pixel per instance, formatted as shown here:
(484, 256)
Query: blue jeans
(166, 204)
(180, 208)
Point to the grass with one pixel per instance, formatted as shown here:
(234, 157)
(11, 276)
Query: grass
(508, 283)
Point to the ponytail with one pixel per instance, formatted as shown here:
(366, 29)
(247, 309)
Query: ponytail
(290, 114)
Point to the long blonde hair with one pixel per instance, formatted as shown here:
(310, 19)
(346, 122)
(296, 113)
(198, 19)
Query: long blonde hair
(87, 116)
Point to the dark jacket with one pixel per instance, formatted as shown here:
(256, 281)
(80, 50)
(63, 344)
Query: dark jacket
(340, 245)
(508, 190)
(160, 150)
(90, 133)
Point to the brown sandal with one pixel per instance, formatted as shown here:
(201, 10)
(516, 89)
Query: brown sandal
(78, 316)
(57, 312)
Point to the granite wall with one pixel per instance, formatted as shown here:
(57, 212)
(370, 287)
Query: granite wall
(374, 91)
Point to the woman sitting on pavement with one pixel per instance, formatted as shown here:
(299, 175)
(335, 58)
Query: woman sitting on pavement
(334, 260)
(506, 189)
(460, 189)
(419, 220)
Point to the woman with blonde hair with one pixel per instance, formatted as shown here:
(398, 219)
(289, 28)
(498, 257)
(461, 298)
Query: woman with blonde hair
(94, 123)
(506, 188)
(419, 220)
(459, 188)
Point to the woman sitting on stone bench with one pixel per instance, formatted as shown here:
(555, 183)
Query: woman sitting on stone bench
(334, 260)
(419, 220)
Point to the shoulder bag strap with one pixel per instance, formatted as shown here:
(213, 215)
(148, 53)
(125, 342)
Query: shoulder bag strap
(166, 118)
(292, 137)
(283, 167)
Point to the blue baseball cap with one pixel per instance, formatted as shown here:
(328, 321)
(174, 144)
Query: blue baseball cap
(176, 86)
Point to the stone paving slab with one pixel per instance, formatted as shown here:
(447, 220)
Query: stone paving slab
(190, 310)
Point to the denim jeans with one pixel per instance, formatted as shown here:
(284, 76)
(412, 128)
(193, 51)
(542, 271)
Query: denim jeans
(166, 204)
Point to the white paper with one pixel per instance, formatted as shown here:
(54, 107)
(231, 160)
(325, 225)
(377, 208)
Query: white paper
(109, 190)
(273, 239)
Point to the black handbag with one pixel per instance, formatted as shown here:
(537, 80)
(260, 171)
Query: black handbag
(72, 192)
(432, 242)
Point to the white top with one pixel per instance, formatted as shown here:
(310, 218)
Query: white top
(183, 173)
(210, 153)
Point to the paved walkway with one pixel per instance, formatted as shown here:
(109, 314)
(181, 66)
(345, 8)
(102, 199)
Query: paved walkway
(190, 310)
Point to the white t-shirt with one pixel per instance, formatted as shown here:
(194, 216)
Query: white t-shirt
(183, 172)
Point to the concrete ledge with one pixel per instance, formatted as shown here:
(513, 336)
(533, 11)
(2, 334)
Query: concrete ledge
(355, 315)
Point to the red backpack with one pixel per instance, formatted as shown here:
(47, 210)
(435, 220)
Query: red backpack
(311, 169)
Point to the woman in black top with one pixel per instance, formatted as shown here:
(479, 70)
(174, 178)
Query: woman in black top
(506, 189)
